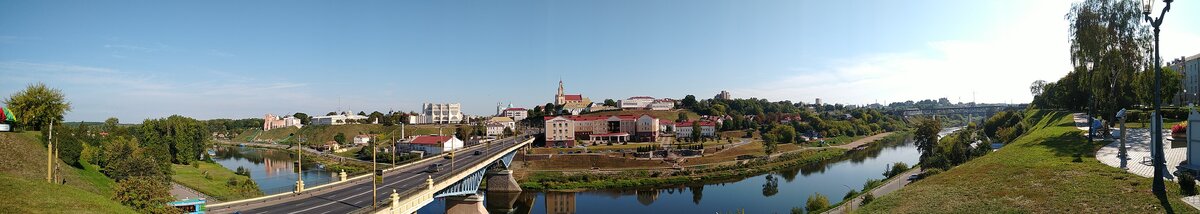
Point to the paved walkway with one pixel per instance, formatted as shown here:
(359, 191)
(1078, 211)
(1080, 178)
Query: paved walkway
(181, 192)
(1138, 148)
(891, 186)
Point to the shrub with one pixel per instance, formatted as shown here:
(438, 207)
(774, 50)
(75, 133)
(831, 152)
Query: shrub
(232, 182)
(931, 172)
(797, 210)
(817, 202)
(897, 168)
(867, 199)
(850, 194)
(1187, 184)
(871, 184)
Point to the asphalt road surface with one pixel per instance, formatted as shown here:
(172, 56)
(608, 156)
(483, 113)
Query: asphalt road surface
(357, 195)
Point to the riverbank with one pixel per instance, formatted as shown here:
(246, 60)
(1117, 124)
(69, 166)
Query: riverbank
(647, 178)
(215, 181)
(648, 173)
(1041, 171)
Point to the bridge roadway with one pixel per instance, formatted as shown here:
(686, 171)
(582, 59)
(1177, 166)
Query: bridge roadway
(354, 196)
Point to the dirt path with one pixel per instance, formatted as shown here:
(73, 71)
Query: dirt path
(865, 140)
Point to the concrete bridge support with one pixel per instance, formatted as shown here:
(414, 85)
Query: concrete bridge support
(502, 202)
(502, 181)
(469, 204)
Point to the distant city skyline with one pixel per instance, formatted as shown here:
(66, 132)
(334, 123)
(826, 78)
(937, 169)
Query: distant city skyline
(233, 59)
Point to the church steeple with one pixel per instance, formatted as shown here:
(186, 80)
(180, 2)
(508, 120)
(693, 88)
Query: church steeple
(560, 88)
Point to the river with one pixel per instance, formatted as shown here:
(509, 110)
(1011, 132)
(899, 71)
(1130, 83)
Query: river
(273, 170)
(776, 192)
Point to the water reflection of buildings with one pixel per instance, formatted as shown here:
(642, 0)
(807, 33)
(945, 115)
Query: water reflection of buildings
(647, 197)
(560, 202)
(273, 167)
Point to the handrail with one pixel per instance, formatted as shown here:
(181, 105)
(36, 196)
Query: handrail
(322, 187)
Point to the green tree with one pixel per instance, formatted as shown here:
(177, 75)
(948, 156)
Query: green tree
(508, 131)
(926, 137)
(784, 134)
(181, 139)
(340, 138)
(696, 131)
(111, 123)
(38, 105)
(817, 202)
(1172, 83)
(304, 118)
(1110, 34)
(769, 141)
(144, 194)
(124, 158)
(689, 101)
(681, 117)
(610, 102)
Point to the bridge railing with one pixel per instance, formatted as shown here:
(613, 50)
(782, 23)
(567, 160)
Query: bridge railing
(415, 198)
(265, 200)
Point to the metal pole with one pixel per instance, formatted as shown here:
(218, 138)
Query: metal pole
(50, 155)
(1158, 187)
(374, 182)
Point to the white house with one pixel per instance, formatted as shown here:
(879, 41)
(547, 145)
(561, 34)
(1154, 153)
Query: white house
(362, 139)
(270, 121)
(517, 114)
(434, 144)
(644, 102)
(495, 129)
(337, 119)
(684, 129)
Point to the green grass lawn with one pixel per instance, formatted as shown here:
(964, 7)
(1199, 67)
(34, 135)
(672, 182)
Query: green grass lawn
(1034, 174)
(91, 174)
(23, 156)
(215, 185)
(36, 196)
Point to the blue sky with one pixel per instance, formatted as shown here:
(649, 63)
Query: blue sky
(237, 59)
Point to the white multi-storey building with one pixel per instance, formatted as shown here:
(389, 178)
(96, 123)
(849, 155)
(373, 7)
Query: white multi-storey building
(517, 114)
(337, 119)
(270, 121)
(438, 114)
(644, 102)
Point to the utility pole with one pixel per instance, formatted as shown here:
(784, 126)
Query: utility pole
(393, 147)
(374, 169)
(299, 168)
(50, 155)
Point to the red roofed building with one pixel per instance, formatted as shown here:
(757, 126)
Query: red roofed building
(517, 114)
(561, 98)
(684, 129)
(434, 144)
(563, 131)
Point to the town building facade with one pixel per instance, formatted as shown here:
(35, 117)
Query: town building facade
(338, 119)
(270, 121)
(684, 129)
(431, 113)
(563, 131)
(433, 144)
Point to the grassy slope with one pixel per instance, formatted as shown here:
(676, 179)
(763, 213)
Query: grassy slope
(23, 161)
(1033, 174)
(193, 177)
(36, 196)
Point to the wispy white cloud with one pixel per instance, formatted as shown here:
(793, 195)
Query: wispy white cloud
(98, 92)
(997, 67)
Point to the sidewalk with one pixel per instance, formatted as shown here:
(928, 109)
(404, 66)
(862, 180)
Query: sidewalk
(891, 185)
(181, 192)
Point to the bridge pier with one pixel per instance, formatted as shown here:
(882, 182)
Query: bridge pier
(469, 204)
(502, 202)
(502, 181)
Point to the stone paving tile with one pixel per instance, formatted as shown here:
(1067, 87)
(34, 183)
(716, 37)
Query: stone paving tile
(1192, 200)
(1138, 148)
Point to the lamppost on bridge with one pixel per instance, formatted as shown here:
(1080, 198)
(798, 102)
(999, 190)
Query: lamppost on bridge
(1156, 137)
(299, 166)
(377, 175)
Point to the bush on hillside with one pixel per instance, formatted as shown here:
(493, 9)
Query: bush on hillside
(817, 202)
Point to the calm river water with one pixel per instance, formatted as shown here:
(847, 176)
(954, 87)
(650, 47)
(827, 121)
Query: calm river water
(273, 170)
(775, 192)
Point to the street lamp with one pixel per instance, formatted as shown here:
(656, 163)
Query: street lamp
(1091, 99)
(1156, 138)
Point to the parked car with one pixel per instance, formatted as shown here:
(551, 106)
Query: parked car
(914, 177)
(433, 168)
(477, 152)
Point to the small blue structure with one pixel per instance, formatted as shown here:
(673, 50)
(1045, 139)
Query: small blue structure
(189, 206)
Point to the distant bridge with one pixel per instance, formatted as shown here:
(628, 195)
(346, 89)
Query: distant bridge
(413, 187)
(984, 110)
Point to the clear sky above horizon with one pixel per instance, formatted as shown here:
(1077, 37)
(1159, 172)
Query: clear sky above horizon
(238, 59)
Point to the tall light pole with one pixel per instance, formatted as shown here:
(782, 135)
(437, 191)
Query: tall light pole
(299, 168)
(375, 170)
(1090, 65)
(50, 155)
(1159, 162)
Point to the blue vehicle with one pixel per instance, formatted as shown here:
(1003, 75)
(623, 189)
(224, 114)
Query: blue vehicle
(190, 206)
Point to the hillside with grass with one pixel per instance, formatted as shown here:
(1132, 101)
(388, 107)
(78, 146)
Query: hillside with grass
(1050, 169)
(23, 181)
